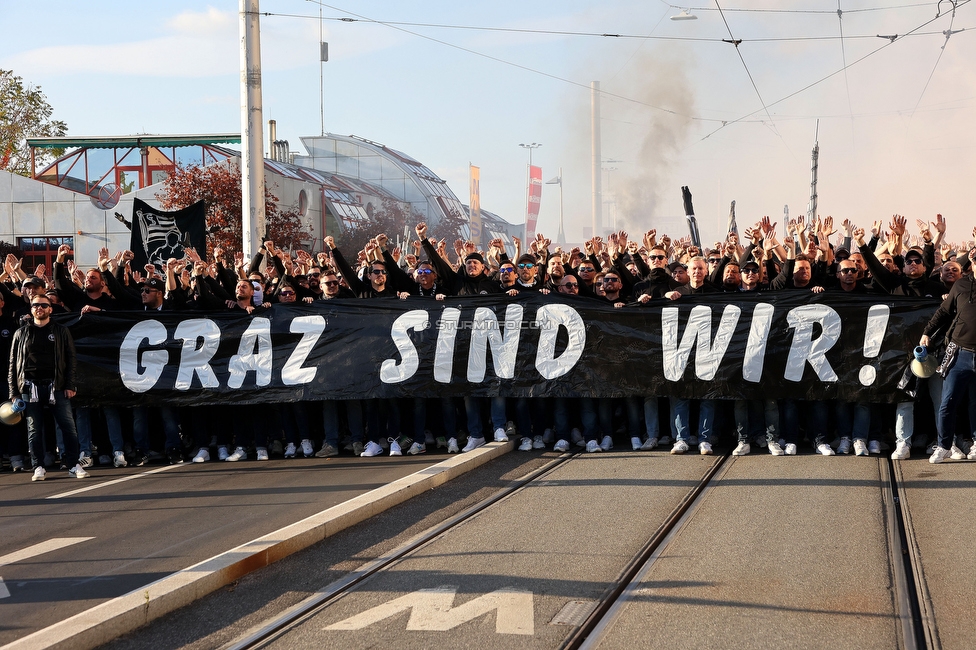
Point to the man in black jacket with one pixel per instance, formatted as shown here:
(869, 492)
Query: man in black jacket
(958, 313)
(42, 373)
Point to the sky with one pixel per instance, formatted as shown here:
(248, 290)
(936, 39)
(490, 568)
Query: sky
(465, 83)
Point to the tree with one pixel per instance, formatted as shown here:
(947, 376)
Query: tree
(391, 219)
(219, 186)
(24, 113)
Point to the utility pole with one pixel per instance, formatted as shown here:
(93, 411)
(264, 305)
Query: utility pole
(252, 136)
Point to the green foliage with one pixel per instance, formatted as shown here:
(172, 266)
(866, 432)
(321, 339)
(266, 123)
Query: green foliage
(24, 113)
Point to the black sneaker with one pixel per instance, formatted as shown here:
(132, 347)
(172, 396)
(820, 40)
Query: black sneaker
(175, 456)
(137, 458)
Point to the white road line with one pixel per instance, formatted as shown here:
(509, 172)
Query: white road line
(107, 483)
(39, 549)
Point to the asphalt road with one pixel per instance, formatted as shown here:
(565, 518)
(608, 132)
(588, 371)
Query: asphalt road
(67, 551)
(781, 552)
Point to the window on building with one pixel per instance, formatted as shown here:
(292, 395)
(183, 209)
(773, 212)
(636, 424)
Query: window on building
(41, 250)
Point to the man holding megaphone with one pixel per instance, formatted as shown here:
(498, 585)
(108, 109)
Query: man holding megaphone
(42, 373)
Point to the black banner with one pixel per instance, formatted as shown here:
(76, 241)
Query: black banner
(783, 344)
(157, 236)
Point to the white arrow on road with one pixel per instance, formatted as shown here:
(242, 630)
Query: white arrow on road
(35, 550)
(433, 610)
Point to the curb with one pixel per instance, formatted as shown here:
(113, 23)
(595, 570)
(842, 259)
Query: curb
(110, 620)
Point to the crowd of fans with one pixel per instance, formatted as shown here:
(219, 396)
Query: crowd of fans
(618, 271)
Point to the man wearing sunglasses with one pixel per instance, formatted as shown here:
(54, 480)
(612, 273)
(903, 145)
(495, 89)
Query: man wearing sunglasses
(332, 287)
(42, 373)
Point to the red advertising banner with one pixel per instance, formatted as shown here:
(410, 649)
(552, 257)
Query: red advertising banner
(535, 199)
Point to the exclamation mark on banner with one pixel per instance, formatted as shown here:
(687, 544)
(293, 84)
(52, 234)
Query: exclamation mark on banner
(873, 336)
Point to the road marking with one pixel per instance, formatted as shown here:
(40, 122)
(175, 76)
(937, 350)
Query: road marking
(107, 483)
(433, 610)
(37, 549)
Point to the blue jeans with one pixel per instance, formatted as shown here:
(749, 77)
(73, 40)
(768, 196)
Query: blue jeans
(681, 419)
(756, 418)
(140, 427)
(330, 420)
(34, 414)
(113, 422)
(813, 413)
(588, 415)
(956, 384)
(448, 418)
(853, 420)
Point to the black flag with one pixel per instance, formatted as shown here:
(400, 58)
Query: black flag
(157, 235)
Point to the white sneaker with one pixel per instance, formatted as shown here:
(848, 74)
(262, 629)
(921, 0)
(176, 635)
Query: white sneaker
(742, 449)
(39, 473)
(239, 454)
(500, 435)
(903, 451)
(874, 447)
(649, 444)
(78, 472)
(635, 443)
(775, 449)
(680, 447)
(290, 450)
(790, 449)
(607, 443)
(308, 449)
(539, 442)
(262, 453)
(844, 446)
(577, 437)
(824, 449)
(547, 437)
(452, 446)
(118, 459)
(395, 449)
(972, 453)
(860, 449)
(473, 443)
(939, 455)
(372, 449)
(957, 453)
(417, 448)
(222, 453)
(525, 444)
(561, 445)
(592, 446)
(202, 456)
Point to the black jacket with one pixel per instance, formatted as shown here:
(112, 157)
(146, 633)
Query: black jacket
(65, 358)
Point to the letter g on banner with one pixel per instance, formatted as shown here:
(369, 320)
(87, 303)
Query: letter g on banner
(152, 360)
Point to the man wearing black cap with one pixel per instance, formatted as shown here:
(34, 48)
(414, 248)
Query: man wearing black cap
(33, 286)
